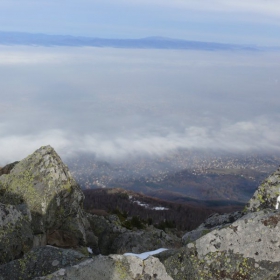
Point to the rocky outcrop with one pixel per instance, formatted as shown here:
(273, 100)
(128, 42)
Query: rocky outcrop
(113, 238)
(247, 249)
(266, 195)
(43, 182)
(113, 267)
(40, 203)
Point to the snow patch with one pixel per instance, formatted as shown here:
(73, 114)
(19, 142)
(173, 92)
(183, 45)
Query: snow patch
(89, 250)
(145, 255)
(160, 208)
(147, 206)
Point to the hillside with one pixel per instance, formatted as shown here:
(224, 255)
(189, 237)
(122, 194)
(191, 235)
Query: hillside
(192, 177)
(150, 210)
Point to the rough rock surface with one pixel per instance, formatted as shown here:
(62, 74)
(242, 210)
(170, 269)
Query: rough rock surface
(115, 239)
(45, 185)
(107, 230)
(113, 267)
(215, 221)
(266, 194)
(41, 203)
(247, 249)
(141, 241)
(38, 262)
(16, 236)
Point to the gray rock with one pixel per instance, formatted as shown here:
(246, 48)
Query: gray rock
(43, 182)
(40, 197)
(266, 194)
(115, 239)
(16, 236)
(107, 230)
(142, 241)
(113, 267)
(247, 249)
(39, 262)
(215, 221)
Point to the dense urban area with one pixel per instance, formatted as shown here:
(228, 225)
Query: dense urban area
(197, 174)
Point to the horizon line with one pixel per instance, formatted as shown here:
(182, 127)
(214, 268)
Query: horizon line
(150, 42)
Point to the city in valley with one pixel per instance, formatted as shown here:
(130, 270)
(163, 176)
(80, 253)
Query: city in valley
(184, 176)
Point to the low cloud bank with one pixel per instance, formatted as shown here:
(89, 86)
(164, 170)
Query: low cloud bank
(123, 103)
(262, 134)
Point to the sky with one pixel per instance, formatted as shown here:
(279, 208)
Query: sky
(230, 21)
(119, 103)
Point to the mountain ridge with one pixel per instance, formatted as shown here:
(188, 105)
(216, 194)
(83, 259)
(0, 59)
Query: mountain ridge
(152, 42)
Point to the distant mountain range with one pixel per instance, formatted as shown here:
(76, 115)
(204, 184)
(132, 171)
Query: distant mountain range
(22, 38)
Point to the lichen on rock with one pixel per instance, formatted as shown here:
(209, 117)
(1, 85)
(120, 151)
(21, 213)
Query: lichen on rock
(40, 203)
(43, 182)
(16, 236)
(245, 249)
(113, 267)
(266, 194)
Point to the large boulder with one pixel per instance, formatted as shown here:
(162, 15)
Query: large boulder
(43, 182)
(266, 194)
(113, 267)
(246, 249)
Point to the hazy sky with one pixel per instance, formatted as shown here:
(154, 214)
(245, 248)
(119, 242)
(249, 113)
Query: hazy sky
(119, 102)
(228, 21)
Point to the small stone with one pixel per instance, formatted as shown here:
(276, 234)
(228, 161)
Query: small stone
(61, 272)
(55, 263)
(175, 271)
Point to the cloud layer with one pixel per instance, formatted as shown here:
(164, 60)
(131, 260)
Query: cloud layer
(118, 103)
(262, 135)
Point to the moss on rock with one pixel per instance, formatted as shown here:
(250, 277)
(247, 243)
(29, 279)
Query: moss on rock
(43, 182)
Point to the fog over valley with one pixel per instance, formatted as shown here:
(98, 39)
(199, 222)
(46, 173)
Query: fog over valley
(117, 103)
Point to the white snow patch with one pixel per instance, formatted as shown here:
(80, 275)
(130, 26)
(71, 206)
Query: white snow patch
(89, 250)
(147, 206)
(145, 255)
(141, 204)
(160, 208)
